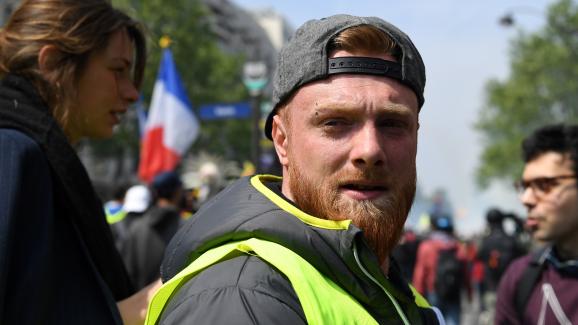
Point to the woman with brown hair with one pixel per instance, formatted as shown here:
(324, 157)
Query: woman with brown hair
(70, 69)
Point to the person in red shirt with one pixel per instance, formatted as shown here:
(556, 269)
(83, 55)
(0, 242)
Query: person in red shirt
(426, 272)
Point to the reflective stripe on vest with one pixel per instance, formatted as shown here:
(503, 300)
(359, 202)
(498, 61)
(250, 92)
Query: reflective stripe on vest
(313, 289)
(419, 299)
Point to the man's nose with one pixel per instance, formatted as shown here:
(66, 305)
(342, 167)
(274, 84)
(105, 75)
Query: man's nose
(528, 197)
(367, 148)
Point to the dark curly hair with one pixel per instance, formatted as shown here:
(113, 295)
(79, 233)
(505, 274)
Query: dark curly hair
(560, 138)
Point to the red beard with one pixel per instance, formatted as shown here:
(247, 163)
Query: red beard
(381, 220)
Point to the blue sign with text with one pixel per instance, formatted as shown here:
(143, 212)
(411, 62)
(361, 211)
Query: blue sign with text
(225, 111)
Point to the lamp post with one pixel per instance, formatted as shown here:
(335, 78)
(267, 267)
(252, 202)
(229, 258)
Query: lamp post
(508, 19)
(255, 79)
(566, 35)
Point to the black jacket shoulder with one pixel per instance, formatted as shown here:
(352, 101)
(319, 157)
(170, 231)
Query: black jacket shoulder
(44, 277)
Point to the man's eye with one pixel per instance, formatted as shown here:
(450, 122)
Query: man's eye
(544, 184)
(335, 122)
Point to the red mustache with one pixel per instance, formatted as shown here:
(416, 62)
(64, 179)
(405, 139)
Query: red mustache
(370, 177)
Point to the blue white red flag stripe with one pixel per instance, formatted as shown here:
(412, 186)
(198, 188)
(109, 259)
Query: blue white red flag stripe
(171, 126)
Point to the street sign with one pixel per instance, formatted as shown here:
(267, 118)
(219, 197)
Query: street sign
(255, 77)
(225, 111)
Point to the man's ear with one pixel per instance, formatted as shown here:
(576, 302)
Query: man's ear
(47, 58)
(279, 135)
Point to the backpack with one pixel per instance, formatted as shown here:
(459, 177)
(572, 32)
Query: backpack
(497, 252)
(449, 275)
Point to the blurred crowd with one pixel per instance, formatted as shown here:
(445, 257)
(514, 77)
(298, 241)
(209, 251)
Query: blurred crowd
(144, 217)
(457, 273)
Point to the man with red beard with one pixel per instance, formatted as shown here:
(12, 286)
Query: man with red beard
(542, 288)
(313, 246)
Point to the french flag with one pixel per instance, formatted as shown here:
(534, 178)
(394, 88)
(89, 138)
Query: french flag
(171, 126)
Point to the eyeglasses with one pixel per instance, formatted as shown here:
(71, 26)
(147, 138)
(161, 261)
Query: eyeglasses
(540, 185)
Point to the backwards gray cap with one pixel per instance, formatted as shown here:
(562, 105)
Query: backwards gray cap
(305, 59)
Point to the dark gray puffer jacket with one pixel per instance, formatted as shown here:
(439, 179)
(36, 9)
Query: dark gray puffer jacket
(247, 290)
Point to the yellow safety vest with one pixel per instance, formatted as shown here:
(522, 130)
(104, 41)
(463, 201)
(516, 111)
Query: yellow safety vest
(313, 289)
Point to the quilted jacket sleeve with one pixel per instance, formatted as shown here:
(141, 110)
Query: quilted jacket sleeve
(243, 290)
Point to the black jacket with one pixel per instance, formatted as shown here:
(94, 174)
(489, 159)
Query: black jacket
(145, 242)
(246, 290)
(497, 250)
(58, 263)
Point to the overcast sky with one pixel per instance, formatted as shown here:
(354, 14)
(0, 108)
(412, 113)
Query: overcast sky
(463, 46)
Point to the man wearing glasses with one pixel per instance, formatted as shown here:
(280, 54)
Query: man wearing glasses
(542, 288)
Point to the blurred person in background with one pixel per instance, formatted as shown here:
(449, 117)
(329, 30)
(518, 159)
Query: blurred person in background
(497, 250)
(113, 207)
(191, 185)
(148, 235)
(405, 253)
(211, 182)
(542, 287)
(441, 268)
(69, 70)
(136, 202)
(476, 273)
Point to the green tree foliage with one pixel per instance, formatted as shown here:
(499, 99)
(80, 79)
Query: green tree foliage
(542, 88)
(208, 73)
